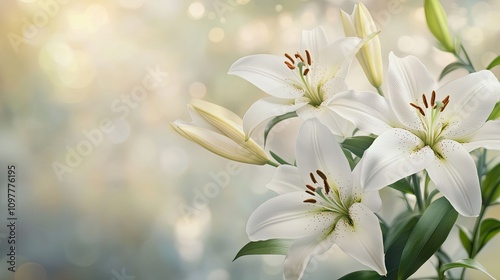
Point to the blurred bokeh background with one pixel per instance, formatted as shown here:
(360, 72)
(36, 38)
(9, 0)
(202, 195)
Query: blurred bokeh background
(106, 189)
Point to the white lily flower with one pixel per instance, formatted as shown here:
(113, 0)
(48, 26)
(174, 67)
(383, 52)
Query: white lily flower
(421, 127)
(320, 204)
(220, 131)
(303, 82)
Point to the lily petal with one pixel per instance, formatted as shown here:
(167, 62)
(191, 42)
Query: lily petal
(266, 108)
(488, 136)
(367, 110)
(455, 176)
(472, 99)
(287, 216)
(362, 239)
(300, 254)
(394, 154)
(267, 72)
(370, 199)
(314, 40)
(407, 80)
(286, 179)
(337, 125)
(335, 59)
(317, 149)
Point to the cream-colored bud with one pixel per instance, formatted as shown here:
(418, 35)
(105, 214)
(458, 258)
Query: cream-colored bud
(220, 131)
(360, 24)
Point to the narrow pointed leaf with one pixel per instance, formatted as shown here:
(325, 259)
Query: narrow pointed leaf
(494, 62)
(431, 196)
(489, 228)
(358, 144)
(278, 158)
(403, 186)
(427, 236)
(495, 114)
(465, 238)
(452, 67)
(399, 227)
(362, 275)
(442, 256)
(275, 121)
(265, 247)
(465, 263)
(490, 187)
(350, 159)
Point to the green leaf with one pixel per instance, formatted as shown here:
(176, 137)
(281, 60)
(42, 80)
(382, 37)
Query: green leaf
(358, 144)
(275, 121)
(493, 63)
(495, 114)
(442, 256)
(489, 228)
(465, 238)
(278, 158)
(427, 236)
(402, 224)
(265, 247)
(429, 198)
(362, 275)
(393, 254)
(465, 263)
(350, 158)
(491, 185)
(452, 67)
(403, 186)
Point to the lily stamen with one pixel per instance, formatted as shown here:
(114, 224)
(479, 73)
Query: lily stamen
(425, 100)
(327, 186)
(290, 58)
(310, 200)
(321, 174)
(311, 187)
(433, 98)
(309, 60)
(297, 55)
(313, 179)
(418, 108)
(310, 192)
(290, 66)
(306, 71)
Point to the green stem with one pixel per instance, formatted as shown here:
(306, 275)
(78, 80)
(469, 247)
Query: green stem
(468, 58)
(475, 238)
(418, 192)
(426, 188)
(465, 61)
(481, 169)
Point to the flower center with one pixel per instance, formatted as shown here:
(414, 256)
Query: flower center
(324, 195)
(429, 116)
(303, 67)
